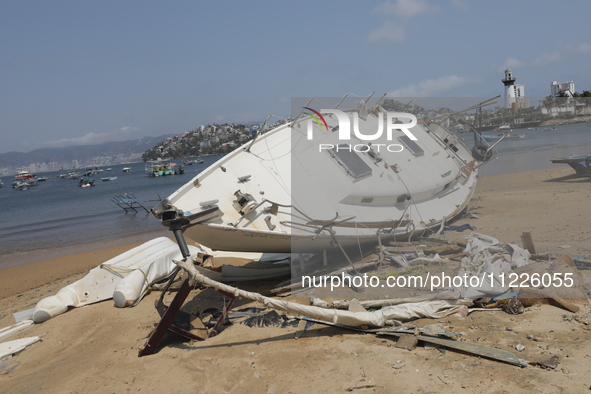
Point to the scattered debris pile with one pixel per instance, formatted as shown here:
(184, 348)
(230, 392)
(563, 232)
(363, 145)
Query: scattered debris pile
(507, 277)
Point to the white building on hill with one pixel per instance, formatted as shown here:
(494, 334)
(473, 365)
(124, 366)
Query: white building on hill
(566, 88)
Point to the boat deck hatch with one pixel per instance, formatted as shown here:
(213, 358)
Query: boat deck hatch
(411, 145)
(350, 160)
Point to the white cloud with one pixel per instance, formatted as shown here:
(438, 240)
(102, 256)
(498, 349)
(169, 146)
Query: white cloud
(431, 87)
(122, 134)
(510, 62)
(546, 58)
(389, 31)
(582, 48)
(406, 8)
(129, 129)
(541, 60)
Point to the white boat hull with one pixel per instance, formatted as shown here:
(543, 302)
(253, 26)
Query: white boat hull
(219, 237)
(281, 194)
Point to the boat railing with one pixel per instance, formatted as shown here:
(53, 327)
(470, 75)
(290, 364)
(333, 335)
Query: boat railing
(445, 145)
(489, 149)
(259, 132)
(297, 118)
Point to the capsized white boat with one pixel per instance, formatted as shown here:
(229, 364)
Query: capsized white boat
(301, 187)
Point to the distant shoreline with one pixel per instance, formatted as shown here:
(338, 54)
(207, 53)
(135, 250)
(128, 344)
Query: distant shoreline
(545, 123)
(558, 122)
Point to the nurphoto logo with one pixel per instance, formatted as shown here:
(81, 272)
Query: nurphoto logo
(344, 129)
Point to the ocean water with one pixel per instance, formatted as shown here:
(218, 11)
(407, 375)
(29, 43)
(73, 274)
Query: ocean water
(536, 149)
(58, 213)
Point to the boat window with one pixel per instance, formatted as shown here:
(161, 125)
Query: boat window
(411, 145)
(350, 160)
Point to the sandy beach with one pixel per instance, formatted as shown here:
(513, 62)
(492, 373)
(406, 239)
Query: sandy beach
(95, 348)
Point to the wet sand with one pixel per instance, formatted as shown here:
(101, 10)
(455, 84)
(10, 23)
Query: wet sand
(13, 259)
(94, 348)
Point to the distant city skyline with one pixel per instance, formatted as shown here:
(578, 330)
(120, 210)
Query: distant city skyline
(90, 72)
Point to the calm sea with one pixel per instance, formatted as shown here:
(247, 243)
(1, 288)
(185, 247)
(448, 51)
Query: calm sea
(539, 146)
(58, 213)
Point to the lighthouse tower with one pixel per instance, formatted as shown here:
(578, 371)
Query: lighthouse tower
(509, 81)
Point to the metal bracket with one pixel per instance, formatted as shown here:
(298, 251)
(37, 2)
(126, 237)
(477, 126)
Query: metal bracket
(169, 321)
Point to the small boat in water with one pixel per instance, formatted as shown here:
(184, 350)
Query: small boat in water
(23, 178)
(301, 184)
(23, 185)
(85, 181)
(109, 178)
(126, 169)
(503, 131)
(163, 167)
(511, 136)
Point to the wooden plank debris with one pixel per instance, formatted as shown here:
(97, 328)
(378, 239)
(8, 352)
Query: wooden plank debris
(551, 363)
(465, 347)
(470, 348)
(444, 250)
(408, 342)
(528, 242)
(529, 297)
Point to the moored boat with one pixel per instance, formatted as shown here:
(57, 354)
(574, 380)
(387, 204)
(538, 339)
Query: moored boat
(510, 136)
(85, 181)
(23, 178)
(163, 167)
(503, 131)
(23, 185)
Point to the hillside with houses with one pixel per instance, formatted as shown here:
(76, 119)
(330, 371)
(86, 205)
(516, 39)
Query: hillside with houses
(205, 140)
(208, 140)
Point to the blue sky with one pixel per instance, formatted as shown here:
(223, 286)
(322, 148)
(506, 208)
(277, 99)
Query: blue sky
(93, 71)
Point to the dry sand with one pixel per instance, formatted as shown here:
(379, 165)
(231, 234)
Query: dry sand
(94, 348)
